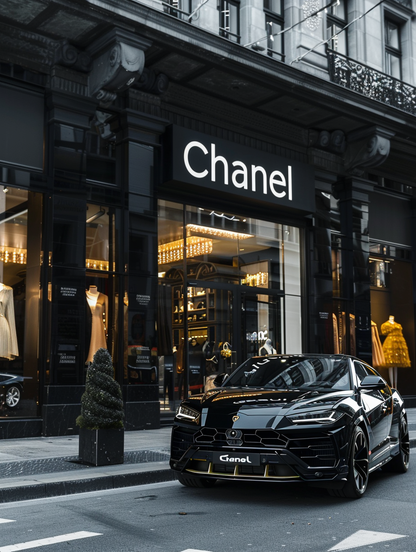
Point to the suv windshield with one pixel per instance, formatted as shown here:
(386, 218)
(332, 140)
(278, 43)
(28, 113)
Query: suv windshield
(292, 373)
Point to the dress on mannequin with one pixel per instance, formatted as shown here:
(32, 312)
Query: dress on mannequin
(378, 353)
(98, 303)
(395, 349)
(267, 348)
(8, 337)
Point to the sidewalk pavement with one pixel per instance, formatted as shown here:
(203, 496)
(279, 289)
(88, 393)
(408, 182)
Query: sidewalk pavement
(43, 467)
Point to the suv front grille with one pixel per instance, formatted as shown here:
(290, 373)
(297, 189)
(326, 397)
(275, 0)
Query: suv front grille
(265, 438)
(316, 452)
(182, 439)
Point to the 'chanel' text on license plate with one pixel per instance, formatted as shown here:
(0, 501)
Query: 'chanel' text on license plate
(236, 458)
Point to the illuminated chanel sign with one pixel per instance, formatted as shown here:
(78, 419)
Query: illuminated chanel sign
(241, 176)
(234, 170)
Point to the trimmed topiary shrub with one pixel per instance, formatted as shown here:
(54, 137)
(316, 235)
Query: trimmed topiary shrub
(101, 403)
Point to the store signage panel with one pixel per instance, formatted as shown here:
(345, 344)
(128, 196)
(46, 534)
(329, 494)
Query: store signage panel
(231, 169)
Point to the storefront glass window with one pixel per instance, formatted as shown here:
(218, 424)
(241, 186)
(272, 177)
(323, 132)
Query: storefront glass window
(20, 254)
(229, 288)
(101, 284)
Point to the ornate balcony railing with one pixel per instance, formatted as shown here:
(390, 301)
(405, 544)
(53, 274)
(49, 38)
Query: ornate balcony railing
(371, 83)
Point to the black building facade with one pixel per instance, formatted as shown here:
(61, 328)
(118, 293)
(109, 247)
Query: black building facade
(184, 202)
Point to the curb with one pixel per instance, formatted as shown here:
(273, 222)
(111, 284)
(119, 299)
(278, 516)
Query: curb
(54, 488)
(75, 486)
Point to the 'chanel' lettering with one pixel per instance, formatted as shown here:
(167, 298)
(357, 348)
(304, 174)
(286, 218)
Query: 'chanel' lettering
(238, 173)
(226, 458)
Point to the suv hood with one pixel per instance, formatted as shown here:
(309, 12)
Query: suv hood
(245, 408)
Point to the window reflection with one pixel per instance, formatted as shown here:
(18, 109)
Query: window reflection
(221, 286)
(20, 254)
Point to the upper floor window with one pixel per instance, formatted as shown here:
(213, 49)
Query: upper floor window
(336, 20)
(393, 52)
(274, 39)
(274, 26)
(230, 20)
(178, 8)
(274, 6)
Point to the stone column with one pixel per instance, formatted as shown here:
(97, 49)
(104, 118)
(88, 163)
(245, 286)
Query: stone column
(353, 194)
(138, 144)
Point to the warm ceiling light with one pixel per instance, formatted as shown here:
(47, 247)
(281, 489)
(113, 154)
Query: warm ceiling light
(97, 264)
(218, 232)
(173, 251)
(13, 255)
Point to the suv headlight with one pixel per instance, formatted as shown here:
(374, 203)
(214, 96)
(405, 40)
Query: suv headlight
(325, 417)
(188, 414)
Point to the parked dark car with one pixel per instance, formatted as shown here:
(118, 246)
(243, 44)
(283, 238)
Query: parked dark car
(11, 389)
(327, 420)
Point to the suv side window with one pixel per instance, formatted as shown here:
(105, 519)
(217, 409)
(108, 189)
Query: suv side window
(360, 371)
(363, 370)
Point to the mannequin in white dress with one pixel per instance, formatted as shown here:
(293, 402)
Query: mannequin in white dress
(8, 337)
(267, 348)
(98, 303)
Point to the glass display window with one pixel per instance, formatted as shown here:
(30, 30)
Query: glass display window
(20, 254)
(229, 289)
(101, 291)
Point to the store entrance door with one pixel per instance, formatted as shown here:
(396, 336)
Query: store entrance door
(212, 345)
(196, 336)
(211, 328)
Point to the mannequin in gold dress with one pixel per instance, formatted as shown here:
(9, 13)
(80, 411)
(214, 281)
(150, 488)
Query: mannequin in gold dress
(395, 350)
(98, 303)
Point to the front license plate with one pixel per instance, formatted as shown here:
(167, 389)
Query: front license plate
(233, 458)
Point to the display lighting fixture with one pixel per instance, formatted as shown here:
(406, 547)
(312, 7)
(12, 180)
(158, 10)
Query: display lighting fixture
(257, 280)
(96, 264)
(218, 232)
(173, 251)
(13, 255)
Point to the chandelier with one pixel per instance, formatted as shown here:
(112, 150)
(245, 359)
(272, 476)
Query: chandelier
(218, 232)
(13, 255)
(173, 251)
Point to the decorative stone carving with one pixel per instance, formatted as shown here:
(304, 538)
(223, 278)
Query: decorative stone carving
(102, 126)
(366, 148)
(118, 63)
(309, 8)
(333, 141)
(151, 82)
(69, 56)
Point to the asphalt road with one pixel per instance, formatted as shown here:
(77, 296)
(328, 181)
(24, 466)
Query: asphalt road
(230, 517)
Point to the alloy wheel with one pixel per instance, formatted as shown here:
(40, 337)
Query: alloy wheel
(360, 462)
(404, 442)
(12, 396)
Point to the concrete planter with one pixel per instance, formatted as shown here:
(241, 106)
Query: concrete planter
(101, 447)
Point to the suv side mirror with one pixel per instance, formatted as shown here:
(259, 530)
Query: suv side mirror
(372, 382)
(219, 380)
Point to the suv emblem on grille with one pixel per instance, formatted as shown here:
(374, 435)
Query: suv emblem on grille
(235, 418)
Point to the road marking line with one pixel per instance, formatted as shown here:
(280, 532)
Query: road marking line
(3, 520)
(362, 538)
(192, 550)
(50, 540)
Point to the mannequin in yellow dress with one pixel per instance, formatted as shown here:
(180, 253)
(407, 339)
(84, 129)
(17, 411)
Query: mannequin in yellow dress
(395, 350)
